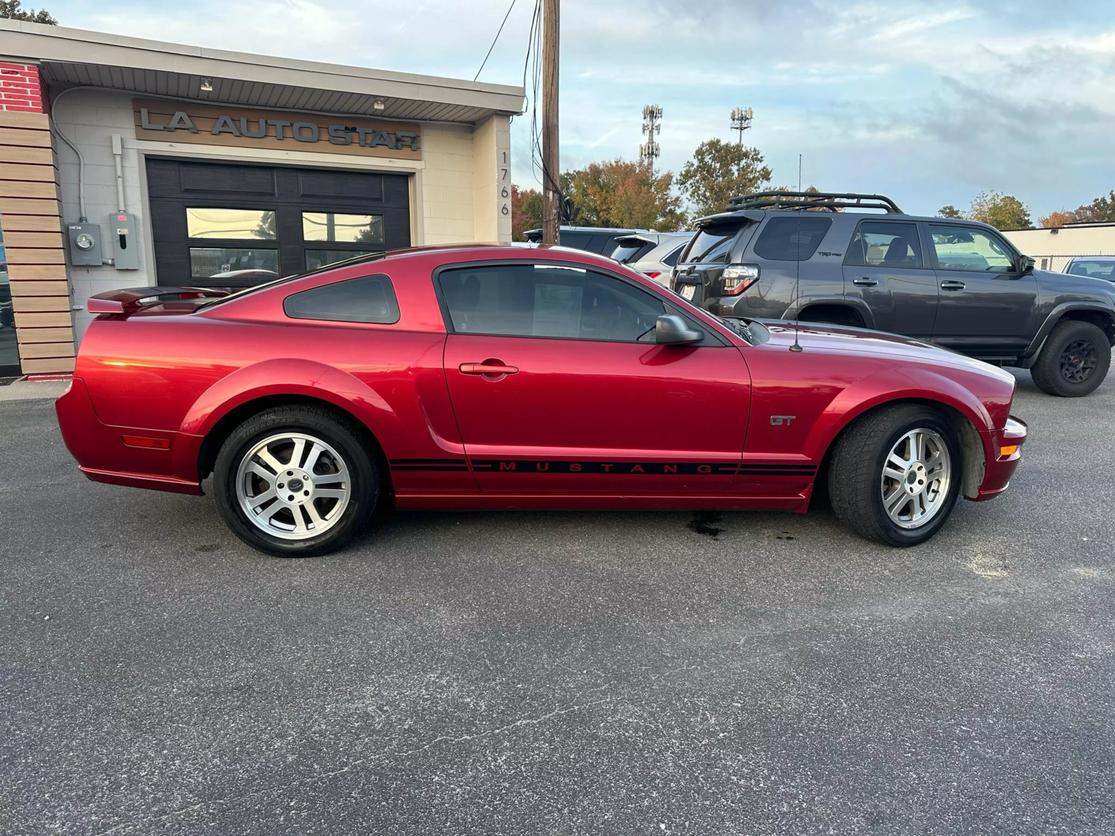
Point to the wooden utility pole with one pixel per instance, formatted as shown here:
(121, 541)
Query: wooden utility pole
(551, 172)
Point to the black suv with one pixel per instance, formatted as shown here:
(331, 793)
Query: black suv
(822, 257)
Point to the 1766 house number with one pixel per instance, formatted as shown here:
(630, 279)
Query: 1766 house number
(504, 191)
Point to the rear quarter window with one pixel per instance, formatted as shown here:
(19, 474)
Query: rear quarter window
(791, 238)
(369, 299)
(713, 242)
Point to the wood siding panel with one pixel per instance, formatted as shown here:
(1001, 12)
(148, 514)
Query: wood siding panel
(24, 139)
(25, 154)
(18, 188)
(36, 255)
(16, 240)
(31, 223)
(29, 206)
(28, 173)
(43, 288)
(40, 304)
(43, 320)
(36, 271)
(46, 335)
(39, 350)
(46, 366)
(17, 119)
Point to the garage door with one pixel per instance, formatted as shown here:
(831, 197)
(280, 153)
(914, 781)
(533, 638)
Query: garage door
(232, 225)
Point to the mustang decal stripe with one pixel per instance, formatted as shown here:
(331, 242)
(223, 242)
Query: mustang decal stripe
(658, 468)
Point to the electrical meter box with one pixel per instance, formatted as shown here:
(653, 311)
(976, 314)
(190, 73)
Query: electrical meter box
(125, 240)
(85, 245)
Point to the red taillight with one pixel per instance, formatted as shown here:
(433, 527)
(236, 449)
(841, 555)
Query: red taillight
(652, 274)
(738, 277)
(146, 442)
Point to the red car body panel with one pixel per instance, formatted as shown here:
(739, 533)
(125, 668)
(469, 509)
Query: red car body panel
(580, 424)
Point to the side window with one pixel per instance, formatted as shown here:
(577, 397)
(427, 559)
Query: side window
(968, 248)
(791, 238)
(542, 300)
(672, 258)
(885, 244)
(367, 299)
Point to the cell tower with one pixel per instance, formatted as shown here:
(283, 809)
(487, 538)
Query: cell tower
(741, 121)
(652, 126)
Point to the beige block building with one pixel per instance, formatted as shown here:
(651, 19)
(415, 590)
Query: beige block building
(1052, 248)
(129, 163)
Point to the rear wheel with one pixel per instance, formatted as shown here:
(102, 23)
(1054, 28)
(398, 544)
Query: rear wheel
(1073, 361)
(295, 482)
(895, 475)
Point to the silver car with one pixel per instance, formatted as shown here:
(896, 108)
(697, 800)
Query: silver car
(1093, 266)
(652, 253)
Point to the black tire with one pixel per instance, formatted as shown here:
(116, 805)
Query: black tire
(1073, 361)
(856, 472)
(344, 436)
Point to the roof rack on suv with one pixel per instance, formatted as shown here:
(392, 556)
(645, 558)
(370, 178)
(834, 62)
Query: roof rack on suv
(830, 201)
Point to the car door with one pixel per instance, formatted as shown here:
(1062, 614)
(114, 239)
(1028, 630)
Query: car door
(886, 268)
(985, 301)
(558, 389)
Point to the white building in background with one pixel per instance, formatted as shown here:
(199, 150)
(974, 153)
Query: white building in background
(1052, 248)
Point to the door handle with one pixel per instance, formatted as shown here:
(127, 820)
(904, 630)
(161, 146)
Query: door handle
(865, 281)
(952, 284)
(489, 368)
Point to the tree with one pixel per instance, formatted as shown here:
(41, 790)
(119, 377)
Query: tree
(1002, 211)
(11, 10)
(720, 171)
(1059, 218)
(949, 211)
(526, 211)
(1100, 210)
(623, 194)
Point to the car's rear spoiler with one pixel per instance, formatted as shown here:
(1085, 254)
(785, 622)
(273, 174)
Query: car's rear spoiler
(127, 301)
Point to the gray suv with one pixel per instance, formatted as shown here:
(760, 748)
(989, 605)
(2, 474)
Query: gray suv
(856, 259)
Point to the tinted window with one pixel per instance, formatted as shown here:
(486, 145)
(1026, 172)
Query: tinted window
(367, 299)
(1094, 269)
(530, 300)
(967, 248)
(791, 239)
(713, 242)
(629, 250)
(885, 244)
(672, 258)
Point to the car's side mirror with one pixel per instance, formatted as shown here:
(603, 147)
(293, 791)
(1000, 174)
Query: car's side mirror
(1025, 264)
(670, 329)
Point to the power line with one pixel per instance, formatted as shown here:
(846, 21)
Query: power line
(495, 39)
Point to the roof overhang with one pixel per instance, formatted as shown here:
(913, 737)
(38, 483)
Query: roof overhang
(75, 57)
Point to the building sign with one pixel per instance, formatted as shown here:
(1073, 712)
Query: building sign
(170, 121)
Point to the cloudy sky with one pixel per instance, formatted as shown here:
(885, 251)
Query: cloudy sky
(930, 102)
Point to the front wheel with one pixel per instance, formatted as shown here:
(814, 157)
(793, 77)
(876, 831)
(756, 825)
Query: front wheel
(1073, 361)
(295, 482)
(895, 475)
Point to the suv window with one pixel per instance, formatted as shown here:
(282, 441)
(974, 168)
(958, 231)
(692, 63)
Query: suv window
(713, 242)
(791, 238)
(885, 244)
(968, 248)
(672, 259)
(1093, 269)
(543, 300)
(367, 299)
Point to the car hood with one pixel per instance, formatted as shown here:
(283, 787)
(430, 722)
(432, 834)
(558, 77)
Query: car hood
(1067, 282)
(841, 340)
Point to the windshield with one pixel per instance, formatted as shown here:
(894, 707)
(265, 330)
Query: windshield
(713, 241)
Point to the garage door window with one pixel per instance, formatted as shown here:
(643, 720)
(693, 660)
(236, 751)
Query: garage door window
(211, 222)
(343, 228)
(215, 263)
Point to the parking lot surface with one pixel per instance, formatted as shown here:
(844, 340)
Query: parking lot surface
(561, 672)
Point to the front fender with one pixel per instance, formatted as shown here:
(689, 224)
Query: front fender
(1056, 315)
(893, 385)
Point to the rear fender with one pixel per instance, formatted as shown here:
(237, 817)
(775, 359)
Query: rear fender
(304, 378)
(858, 305)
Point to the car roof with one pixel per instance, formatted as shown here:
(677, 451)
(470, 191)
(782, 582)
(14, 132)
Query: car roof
(759, 214)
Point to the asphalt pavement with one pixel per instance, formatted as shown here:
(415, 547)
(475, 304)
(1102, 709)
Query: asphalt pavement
(561, 672)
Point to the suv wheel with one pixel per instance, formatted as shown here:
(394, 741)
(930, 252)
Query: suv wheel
(1073, 361)
(295, 482)
(895, 475)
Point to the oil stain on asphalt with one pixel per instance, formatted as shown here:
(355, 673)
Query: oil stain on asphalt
(705, 522)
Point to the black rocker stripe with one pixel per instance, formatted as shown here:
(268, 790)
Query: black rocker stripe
(659, 468)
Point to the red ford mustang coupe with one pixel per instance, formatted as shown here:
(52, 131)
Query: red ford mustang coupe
(487, 377)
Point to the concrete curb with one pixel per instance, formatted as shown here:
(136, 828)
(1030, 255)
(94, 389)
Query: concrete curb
(33, 390)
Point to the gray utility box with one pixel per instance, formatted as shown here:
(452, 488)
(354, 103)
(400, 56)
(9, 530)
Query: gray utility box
(85, 245)
(125, 240)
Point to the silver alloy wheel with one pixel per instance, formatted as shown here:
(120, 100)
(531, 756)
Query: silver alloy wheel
(916, 478)
(293, 486)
